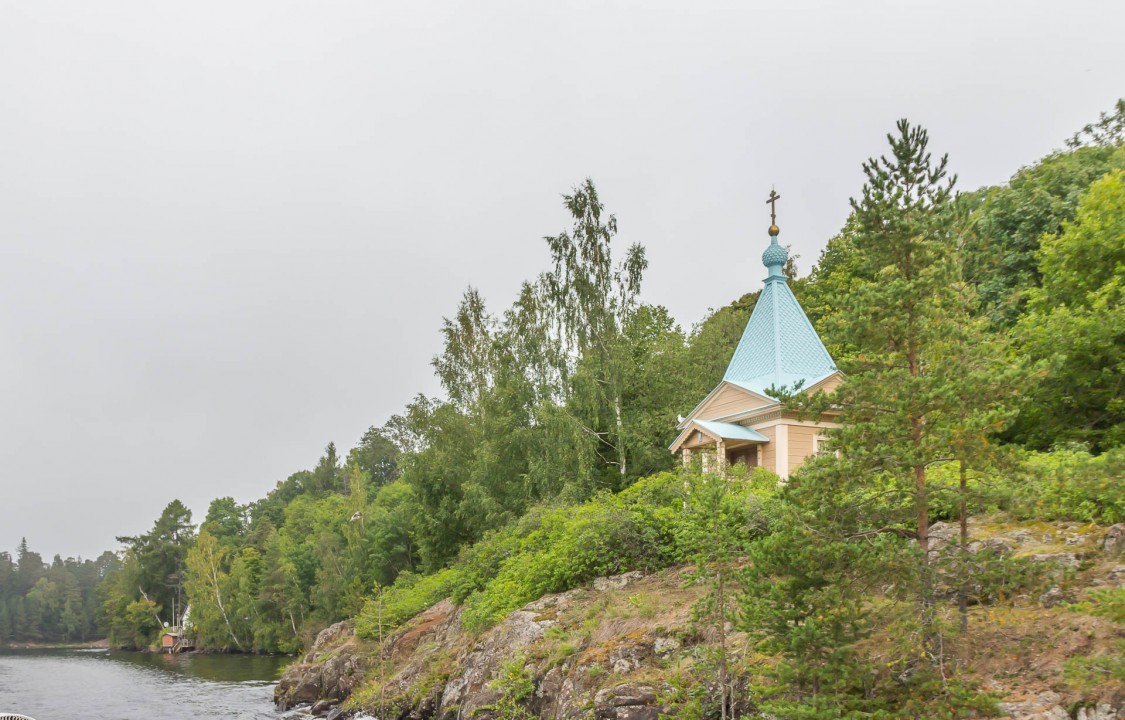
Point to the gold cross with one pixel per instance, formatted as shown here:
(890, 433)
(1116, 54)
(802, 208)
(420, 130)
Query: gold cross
(772, 202)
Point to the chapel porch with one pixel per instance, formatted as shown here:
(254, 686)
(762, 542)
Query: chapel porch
(720, 445)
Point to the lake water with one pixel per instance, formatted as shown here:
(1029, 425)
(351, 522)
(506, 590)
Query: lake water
(115, 685)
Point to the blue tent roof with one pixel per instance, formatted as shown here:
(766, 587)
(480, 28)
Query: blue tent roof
(732, 431)
(779, 346)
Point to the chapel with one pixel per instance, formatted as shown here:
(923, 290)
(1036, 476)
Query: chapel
(738, 421)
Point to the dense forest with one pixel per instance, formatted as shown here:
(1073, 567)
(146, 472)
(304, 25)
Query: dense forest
(60, 602)
(983, 339)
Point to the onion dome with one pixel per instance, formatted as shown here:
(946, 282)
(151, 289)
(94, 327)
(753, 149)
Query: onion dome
(775, 256)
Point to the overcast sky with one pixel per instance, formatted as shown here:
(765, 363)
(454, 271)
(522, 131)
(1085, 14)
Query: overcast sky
(229, 230)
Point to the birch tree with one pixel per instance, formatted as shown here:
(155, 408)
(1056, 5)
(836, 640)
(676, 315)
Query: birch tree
(590, 300)
(209, 590)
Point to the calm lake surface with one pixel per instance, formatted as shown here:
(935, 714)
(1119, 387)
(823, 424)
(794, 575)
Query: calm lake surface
(114, 685)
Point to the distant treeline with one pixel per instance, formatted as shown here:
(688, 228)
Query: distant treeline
(574, 391)
(60, 602)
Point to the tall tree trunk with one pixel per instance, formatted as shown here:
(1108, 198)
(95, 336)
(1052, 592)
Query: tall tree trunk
(963, 591)
(382, 662)
(723, 679)
(921, 500)
(921, 509)
(159, 622)
(219, 598)
(620, 436)
(922, 514)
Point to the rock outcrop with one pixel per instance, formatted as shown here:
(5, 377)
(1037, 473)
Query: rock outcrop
(610, 651)
(328, 673)
(1114, 541)
(439, 671)
(1047, 706)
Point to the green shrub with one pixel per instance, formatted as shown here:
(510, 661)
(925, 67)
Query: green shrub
(1104, 602)
(1091, 672)
(410, 595)
(1065, 484)
(1068, 484)
(556, 548)
(996, 578)
(572, 545)
(514, 686)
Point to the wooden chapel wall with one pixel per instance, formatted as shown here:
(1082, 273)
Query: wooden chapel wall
(769, 450)
(800, 444)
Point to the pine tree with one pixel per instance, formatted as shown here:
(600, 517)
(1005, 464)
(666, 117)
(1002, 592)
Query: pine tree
(926, 381)
(714, 532)
(903, 228)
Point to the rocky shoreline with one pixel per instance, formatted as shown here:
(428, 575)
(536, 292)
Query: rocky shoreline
(610, 651)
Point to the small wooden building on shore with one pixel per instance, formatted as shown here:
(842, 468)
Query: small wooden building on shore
(739, 422)
(174, 640)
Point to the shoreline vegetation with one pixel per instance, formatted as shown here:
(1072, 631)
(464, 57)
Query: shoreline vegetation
(100, 644)
(103, 644)
(976, 482)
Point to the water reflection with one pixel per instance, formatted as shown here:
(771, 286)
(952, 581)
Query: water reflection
(65, 684)
(217, 668)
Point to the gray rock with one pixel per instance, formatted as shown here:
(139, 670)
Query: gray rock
(470, 689)
(1031, 708)
(616, 582)
(942, 534)
(1114, 540)
(628, 701)
(632, 712)
(572, 700)
(1002, 546)
(1053, 597)
(625, 694)
(1101, 711)
(550, 685)
(1115, 577)
(626, 658)
(1066, 561)
(665, 646)
(330, 669)
(307, 690)
(1046, 706)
